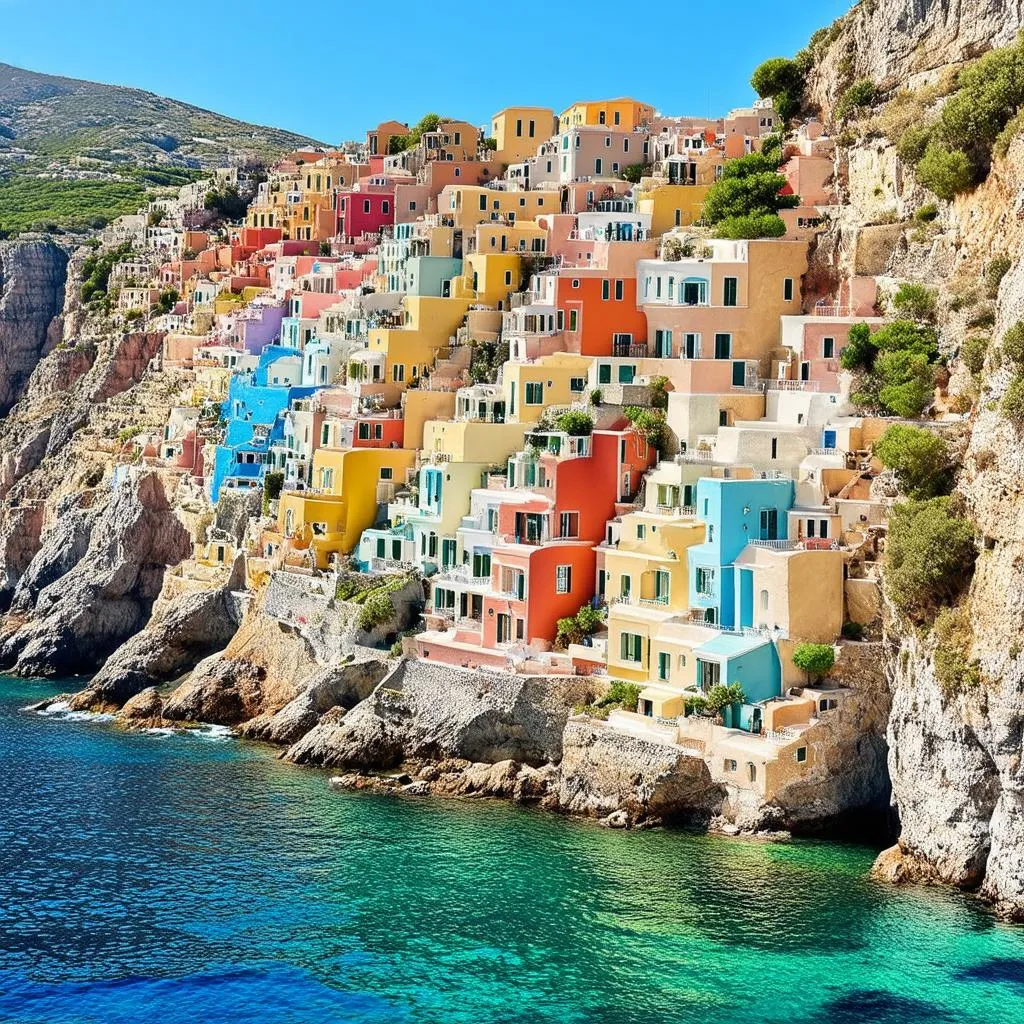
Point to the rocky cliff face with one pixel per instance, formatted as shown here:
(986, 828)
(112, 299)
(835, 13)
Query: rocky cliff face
(32, 278)
(898, 43)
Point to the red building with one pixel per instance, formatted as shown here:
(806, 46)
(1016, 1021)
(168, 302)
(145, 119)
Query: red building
(364, 212)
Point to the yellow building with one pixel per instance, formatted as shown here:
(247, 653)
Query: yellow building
(418, 408)
(472, 441)
(469, 205)
(526, 237)
(489, 279)
(395, 356)
(672, 206)
(528, 388)
(643, 576)
(622, 114)
(518, 131)
(351, 484)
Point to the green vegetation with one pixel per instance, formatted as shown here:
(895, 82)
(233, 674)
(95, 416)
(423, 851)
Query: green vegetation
(486, 359)
(746, 201)
(620, 695)
(896, 367)
(96, 270)
(576, 423)
(273, 484)
(926, 213)
(651, 423)
(377, 611)
(814, 659)
(400, 143)
(921, 460)
(634, 172)
(41, 204)
(1013, 343)
(947, 173)
(916, 301)
(573, 628)
(997, 269)
(658, 386)
(929, 557)
(783, 80)
(972, 352)
(717, 699)
(325, 248)
(226, 203)
(127, 433)
(955, 671)
(168, 299)
(1012, 405)
(862, 93)
(853, 630)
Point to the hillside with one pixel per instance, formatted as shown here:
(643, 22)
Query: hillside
(73, 153)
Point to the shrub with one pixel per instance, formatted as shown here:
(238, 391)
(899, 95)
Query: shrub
(168, 299)
(763, 225)
(573, 628)
(926, 213)
(860, 350)
(1013, 401)
(906, 336)
(783, 80)
(814, 659)
(955, 671)
(325, 248)
(633, 172)
(994, 274)
(659, 392)
(907, 383)
(620, 695)
(861, 94)
(916, 301)
(984, 317)
(376, 611)
(720, 696)
(273, 484)
(1013, 343)
(929, 557)
(972, 352)
(596, 396)
(853, 630)
(576, 423)
(921, 460)
(649, 422)
(946, 172)
(749, 187)
(914, 143)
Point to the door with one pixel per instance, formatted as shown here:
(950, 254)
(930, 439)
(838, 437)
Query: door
(504, 628)
(746, 599)
(693, 346)
(828, 439)
(723, 346)
(805, 371)
(739, 374)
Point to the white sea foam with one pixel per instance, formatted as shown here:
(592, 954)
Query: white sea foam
(214, 732)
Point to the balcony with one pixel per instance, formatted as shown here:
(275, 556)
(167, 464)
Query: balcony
(630, 349)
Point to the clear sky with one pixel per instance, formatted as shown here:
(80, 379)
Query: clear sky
(332, 69)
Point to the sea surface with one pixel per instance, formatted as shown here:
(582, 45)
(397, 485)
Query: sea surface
(171, 878)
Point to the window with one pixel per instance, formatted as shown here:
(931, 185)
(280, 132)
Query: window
(787, 289)
(709, 674)
(764, 600)
(705, 581)
(534, 392)
(827, 704)
(607, 142)
(641, 531)
(598, 166)
(563, 579)
(398, 373)
(385, 207)
(604, 373)
(626, 374)
(662, 582)
(729, 765)
(828, 348)
(575, 282)
(769, 524)
(729, 292)
(801, 755)
(606, 289)
(387, 473)
(366, 206)
(664, 665)
(619, 289)
(364, 431)
(569, 524)
(723, 346)
(577, 383)
(631, 647)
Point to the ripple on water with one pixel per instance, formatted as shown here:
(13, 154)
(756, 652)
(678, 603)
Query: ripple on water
(207, 881)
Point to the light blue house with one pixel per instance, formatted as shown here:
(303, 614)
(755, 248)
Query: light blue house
(431, 275)
(752, 662)
(736, 512)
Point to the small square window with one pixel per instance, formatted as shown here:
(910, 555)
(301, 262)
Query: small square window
(801, 755)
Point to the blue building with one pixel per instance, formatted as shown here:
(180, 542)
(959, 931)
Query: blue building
(735, 512)
(255, 420)
(752, 662)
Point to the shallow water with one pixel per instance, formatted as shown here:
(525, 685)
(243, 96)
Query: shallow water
(195, 878)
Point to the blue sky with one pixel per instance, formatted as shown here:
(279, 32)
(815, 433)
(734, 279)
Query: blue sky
(334, 73)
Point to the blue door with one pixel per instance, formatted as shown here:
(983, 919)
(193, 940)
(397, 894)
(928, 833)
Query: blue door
(828, 439)
(746, 598)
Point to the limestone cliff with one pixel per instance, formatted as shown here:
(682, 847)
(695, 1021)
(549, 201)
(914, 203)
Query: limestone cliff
(898, 43)
(32, 278)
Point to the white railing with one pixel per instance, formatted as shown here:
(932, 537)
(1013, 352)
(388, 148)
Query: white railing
(772, 384)
(696, 455)
(782, 736)
(825, 451)
(776, 545)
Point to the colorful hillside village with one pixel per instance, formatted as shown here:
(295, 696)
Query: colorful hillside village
(517, 362)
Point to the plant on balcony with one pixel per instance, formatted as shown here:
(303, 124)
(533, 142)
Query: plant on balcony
(576, 423)
(574, 628)
(921, 460)
(814, 659)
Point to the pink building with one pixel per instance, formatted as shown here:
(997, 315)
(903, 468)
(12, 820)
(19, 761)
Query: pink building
(364, 212)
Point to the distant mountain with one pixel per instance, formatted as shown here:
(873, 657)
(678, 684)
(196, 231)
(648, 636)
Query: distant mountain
(68, 120)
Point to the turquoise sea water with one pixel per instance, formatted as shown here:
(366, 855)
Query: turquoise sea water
(193, 878)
